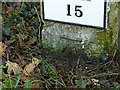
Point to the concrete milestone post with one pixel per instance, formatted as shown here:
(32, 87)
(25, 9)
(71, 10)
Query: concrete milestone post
(82, 25)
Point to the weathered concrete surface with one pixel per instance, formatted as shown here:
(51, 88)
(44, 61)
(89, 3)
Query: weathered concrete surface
(94, 42)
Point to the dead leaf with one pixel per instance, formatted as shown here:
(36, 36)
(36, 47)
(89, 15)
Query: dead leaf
(89, 82)
(23, 76)
(9, 10)
(35, 85)
(13, 67)
(30, 67)
(23, 64)
(2, 48)
(21, 38)
(31, 41)
(115, 83)
(35, 61)
(61, 73)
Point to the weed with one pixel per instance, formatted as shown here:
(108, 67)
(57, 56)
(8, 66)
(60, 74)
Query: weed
(16, 81)
(52, 73)
(81, 83)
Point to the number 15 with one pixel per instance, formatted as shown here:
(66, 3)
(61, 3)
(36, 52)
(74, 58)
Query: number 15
(78, 12)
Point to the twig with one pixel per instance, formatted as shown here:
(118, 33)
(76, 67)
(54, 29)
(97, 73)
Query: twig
(105, 63)
(72, 77)
(39, 18)
(105, 74)
(114, 54)
(23, 22)
(98, 67)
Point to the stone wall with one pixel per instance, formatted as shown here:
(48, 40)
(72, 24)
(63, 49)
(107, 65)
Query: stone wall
(92, 41)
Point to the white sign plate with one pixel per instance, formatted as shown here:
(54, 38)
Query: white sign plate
(82, 12)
